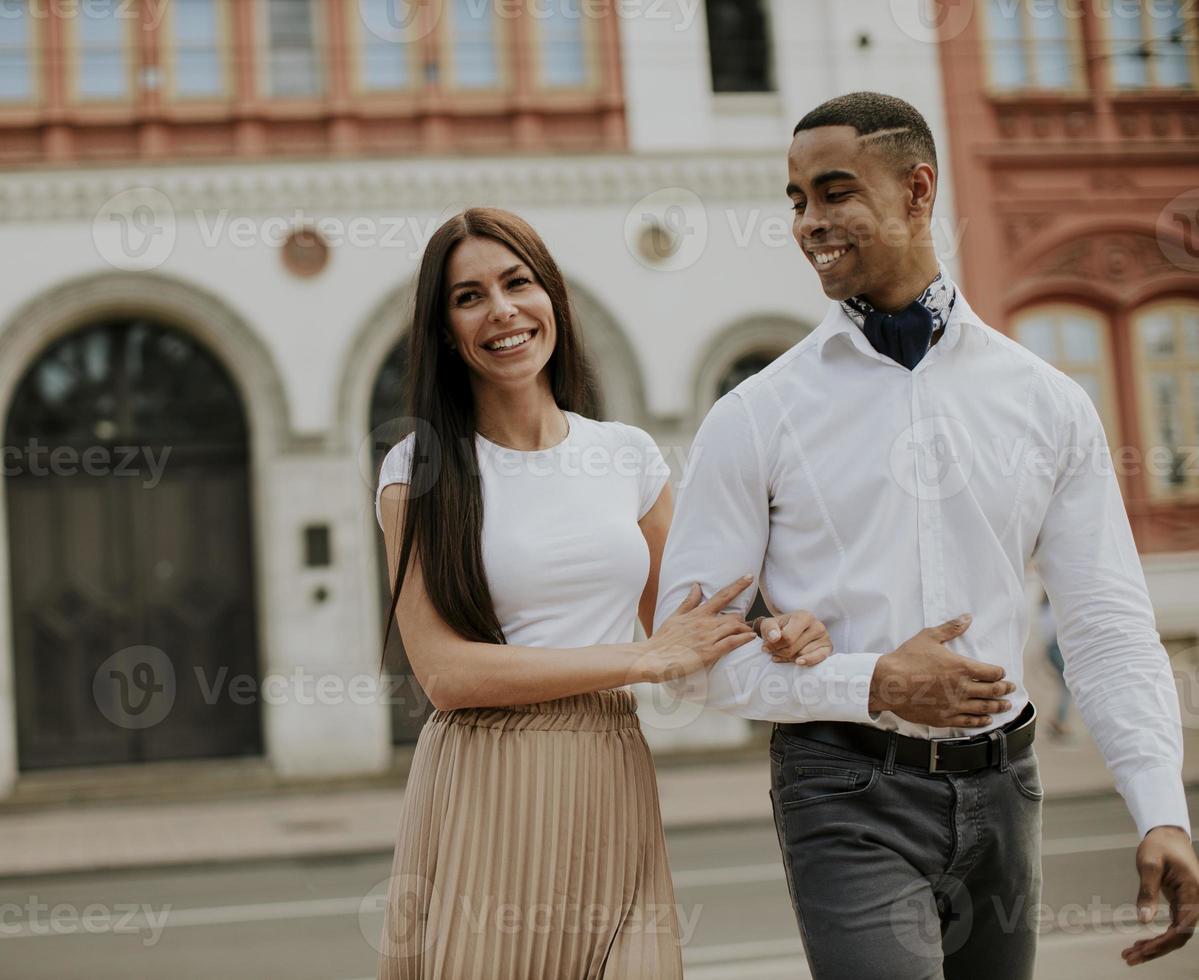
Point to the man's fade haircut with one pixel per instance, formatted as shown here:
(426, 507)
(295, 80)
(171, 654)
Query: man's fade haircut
(895, 127)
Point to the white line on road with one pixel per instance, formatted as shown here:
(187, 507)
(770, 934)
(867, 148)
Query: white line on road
(352, 905)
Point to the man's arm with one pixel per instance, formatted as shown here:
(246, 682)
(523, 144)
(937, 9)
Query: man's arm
(1116, 667)
(720, 530)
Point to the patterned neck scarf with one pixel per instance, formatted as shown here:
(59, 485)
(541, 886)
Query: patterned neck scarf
(937, 298)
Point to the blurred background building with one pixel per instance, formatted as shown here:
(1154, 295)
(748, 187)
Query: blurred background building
(211, 213)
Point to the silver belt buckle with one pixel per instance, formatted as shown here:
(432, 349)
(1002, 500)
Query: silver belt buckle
(933, 743)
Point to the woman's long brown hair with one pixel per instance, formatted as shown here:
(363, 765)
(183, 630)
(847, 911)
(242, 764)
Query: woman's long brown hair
(443, 515)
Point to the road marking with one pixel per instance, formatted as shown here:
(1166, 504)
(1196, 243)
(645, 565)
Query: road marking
(690, 878)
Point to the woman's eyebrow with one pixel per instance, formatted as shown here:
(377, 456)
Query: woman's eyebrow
(475, 282)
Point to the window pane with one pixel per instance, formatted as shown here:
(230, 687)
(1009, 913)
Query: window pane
(1167, 31)
(475, 63)
(1091, 385)
(1190, 330)
(16, 76)
(103, 71)
(563, 57)
(197, 48)
(739, 46)
(384, 52)
(1167, 426)
(1157, 335)
(1080, 340)
(293, 62)
(1006, 49)
(1050, 44)
(1037, 336)
(1129, 66)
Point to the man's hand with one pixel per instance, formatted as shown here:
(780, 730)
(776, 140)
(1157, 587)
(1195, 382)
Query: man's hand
(925, 682)
(1166, 863)
(797, 637)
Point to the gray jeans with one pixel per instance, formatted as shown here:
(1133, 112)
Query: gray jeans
(898, 874)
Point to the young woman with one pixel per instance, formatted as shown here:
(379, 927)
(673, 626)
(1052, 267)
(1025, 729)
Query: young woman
(523, 538)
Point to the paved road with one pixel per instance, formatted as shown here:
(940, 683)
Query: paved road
(317, 919)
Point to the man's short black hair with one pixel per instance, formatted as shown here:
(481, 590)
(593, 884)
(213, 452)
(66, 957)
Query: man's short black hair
(902, 132)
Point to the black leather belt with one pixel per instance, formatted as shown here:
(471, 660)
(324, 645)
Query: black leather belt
(966, 753)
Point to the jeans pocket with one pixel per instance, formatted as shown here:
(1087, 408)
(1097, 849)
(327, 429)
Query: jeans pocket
(1025, 773)
(808, 784)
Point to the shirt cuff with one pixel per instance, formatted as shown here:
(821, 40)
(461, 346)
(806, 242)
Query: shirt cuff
(843, 693)
(1155, 797)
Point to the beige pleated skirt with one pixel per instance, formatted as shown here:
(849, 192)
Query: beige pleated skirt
(530, 847)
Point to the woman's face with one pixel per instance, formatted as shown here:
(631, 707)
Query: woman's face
(492, 296)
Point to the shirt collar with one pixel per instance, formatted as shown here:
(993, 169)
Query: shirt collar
(937, 298)
(951, 316)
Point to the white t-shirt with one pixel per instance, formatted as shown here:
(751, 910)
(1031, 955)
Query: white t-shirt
(564, 558)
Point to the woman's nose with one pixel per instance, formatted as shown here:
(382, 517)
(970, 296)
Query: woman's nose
(502, 309)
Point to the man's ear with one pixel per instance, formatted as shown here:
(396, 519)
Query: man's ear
(922, 190)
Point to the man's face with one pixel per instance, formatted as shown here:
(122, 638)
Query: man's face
(855, 215)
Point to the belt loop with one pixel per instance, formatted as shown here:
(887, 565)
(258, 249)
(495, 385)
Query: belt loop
(892, 747)
(999, 737)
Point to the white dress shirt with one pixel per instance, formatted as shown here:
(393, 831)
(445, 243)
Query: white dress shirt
(885, 500)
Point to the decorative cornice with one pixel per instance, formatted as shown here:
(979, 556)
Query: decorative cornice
(418, 185)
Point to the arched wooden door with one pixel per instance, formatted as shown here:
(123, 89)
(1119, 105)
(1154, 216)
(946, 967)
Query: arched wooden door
(127, 487)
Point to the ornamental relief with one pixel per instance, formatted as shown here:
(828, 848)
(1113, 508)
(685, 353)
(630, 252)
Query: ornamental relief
(1114, 258)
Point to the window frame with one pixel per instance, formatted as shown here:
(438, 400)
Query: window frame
(1180, 366)
(263, 54)
(1190, 19)
(1108, 406)
(1078, 74)
(33, 53)
(591, 56)
(502, 43)
(73, 67)
(225, 43)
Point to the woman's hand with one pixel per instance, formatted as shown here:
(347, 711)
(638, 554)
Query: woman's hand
(797, 637)
(695, 636)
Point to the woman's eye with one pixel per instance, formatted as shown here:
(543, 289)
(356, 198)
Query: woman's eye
(463, 298)
(519, 281)
(798, 207)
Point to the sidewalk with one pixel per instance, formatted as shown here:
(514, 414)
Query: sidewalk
(93, 837)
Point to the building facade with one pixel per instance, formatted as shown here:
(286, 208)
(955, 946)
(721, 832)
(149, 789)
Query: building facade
(1074, 141)
(211, 214)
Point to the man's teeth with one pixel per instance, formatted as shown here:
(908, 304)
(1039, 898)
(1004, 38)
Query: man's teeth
(507, 342)
(824, 258)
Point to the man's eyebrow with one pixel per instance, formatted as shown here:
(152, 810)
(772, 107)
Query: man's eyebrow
(474, 282)
(830, 175)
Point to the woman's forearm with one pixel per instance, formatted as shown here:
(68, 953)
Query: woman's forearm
(474, 675)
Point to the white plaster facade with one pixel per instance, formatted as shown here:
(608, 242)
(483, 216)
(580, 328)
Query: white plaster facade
(305, 352)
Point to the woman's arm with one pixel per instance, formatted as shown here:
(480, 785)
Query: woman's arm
(654, 526)
(460, 673)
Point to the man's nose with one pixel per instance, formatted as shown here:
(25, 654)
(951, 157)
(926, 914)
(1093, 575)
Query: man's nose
(814, 219)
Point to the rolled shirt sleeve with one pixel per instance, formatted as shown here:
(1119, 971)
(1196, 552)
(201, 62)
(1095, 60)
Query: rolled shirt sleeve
(720, 531)
(1116, 667)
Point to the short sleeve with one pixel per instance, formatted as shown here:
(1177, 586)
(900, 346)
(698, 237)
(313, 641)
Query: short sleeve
(397, 465)
(653, 471)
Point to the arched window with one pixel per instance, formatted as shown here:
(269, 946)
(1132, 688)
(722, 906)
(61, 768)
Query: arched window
(1074, 340)
(1166, 340)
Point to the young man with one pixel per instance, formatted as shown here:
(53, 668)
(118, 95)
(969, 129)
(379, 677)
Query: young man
(900, 464)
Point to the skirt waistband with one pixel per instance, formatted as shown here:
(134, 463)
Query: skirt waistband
(598, 711)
